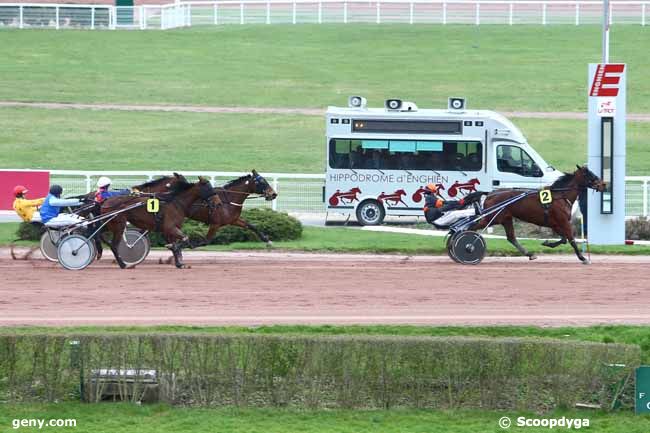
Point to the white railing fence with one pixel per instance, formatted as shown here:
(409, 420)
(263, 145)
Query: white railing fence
(190, 13)
(300, 193)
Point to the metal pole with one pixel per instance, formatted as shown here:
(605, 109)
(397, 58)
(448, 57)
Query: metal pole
(605, 31)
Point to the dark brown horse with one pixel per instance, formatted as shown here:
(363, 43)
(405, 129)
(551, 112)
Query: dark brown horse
(556, 214)
(174, 207)
(226, 206)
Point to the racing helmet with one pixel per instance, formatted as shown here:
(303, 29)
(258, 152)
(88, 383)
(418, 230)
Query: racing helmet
(19, 189)
(432, 188)
(56, 190)
(103, 182)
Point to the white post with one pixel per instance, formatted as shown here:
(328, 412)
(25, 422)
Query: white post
(92, 18)
(611, 15)
(268, 13)
(478, 13)
(188, 22)
(444, 13)
(411, 13)
(293, 13)
(345, 12)
(510, 17)
(544, 14)
(88, 184)
(20, 19)
(143, 20)
(577, 14)
(378, 18)
(645, 198)
(320, 12)
(643, 14)
(241, 13)
(606, 24)
(57, 17)
(274, 203)
(216, 14)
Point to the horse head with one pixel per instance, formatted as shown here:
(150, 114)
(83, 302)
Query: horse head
(586, 178)
(262, 187)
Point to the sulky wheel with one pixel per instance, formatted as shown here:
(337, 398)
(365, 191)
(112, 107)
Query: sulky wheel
(450, 251)
(467, 247)
(76, 252)
(133, 247)
(48, 244)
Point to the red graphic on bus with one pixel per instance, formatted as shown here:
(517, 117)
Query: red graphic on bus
(463, 188)
(344, 197)
(417, 195)
(392, 199)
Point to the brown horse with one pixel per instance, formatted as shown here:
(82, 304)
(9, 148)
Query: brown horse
(225, 207)
(173, 209)
(556, 214)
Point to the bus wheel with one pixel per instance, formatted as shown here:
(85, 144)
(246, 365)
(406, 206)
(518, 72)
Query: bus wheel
(370, 213)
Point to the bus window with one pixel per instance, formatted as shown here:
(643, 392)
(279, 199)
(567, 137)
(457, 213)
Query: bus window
(405, 155)
(513, 159)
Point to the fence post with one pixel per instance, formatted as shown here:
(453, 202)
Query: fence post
(345, 12)
(643, 14)
(274, 203)
(577, 14)
(320, 12)
(611, 13)
(268, 13)
(544, 14)
(378, 18)
(216, 14)
(88, 184)
(143, 19)
(20, 17)
(645, 198)
(188, 21)
(57, 16)
(293, 13)
(478, 13)
(411, 13)
(510, 14)
(92, 18)
(241, 13)
(444, 13)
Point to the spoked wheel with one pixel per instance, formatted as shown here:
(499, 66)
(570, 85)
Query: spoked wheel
(467, 247)
(48, 245)
(450, 251)
(134, 247)
(76, 252)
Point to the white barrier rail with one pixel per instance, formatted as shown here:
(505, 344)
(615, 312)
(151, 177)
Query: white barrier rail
(190, 13)
(296, 192)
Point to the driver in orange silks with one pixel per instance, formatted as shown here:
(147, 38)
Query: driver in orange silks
(440, 212)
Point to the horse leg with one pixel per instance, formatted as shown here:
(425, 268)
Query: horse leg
(245, 224)
(177, 240)
(567, 231)
(550, 244)
(510, 233)
(114, 244)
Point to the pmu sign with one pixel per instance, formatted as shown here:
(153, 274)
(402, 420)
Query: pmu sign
(606, 150)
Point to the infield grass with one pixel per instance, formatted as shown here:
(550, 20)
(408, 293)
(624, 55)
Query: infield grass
(535, 68)
(118, 140)
(121, 417)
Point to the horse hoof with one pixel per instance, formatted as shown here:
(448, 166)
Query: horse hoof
(586, 262)
(532, 257)
(269, 244)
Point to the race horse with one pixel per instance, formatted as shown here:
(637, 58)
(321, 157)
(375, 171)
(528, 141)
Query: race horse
(174, 207)
(226, 206)
(556, 214)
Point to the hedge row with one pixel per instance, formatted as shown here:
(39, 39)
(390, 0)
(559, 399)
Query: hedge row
(277, 226)
(324, 371)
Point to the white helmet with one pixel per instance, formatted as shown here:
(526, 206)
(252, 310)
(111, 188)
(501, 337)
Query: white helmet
(103, 182)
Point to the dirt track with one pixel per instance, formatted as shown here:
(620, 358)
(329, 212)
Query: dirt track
(259, 288)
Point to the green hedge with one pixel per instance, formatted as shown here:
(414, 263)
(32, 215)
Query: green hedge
(326, 371)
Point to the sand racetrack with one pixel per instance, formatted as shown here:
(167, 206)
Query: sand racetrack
(275, 288)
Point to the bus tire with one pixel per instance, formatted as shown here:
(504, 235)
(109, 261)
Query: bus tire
(370, 213)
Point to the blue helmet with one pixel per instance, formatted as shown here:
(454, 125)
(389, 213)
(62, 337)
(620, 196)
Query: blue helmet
(56, 190)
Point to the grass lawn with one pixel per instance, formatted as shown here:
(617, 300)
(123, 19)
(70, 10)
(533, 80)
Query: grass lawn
(116, 140)
(499, 67)
(350, 240)
(109, 418)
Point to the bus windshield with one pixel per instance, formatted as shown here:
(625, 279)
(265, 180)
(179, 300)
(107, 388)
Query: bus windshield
(380, 154)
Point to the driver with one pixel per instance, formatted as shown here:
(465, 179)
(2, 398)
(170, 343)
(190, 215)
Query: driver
(51, 208)
(437, 211)
(26, 209)
(103, 187)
